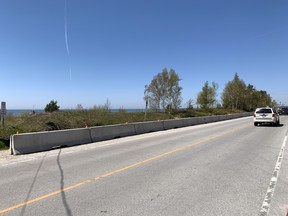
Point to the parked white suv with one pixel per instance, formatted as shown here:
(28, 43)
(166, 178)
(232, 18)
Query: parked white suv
(266, 115)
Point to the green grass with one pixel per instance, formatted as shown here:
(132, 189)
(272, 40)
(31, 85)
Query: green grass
(82, 118)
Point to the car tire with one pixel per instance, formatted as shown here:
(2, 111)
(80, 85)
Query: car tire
(255, 124)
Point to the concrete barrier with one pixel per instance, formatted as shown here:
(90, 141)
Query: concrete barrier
(171, 124)
(189, 122)
(147, 127)
(43, 141)
(111, 132)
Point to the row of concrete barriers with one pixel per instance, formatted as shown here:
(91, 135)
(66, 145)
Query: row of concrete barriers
(43, 141)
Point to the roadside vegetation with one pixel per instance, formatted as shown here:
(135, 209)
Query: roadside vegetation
(60, 120)
(163, 101)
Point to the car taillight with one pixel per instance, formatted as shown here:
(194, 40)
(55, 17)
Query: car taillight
(254, 115)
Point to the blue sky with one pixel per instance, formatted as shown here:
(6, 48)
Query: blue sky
(94, 50)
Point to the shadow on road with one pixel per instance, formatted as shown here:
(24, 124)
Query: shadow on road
(269, 125)
(32, 186)
(64, 200)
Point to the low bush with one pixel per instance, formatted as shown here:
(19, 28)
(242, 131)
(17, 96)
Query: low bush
(3, 145)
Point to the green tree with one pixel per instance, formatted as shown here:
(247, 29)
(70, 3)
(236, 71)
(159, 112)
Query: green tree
(264, 99)
(207, 97)
(164, 91)
(255, 98)
(52, 106)
(238, 95)
(233, 95)
(251, 98)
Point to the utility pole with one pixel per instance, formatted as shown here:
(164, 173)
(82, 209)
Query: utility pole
(3, 113)
(145, 117)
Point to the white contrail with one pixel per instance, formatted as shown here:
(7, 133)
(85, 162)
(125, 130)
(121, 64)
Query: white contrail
(66, 38)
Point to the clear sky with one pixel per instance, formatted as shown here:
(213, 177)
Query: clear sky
(87, 51)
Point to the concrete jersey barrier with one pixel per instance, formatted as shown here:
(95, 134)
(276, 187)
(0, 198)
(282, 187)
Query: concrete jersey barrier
(43, 141)
(111, 132)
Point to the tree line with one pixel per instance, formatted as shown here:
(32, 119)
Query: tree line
(164, 93)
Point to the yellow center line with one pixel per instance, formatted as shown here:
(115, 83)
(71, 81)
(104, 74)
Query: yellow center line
(118, 170)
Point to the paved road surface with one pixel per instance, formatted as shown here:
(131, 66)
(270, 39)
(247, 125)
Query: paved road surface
(225, 168)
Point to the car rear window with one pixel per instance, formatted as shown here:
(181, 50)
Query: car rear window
(264, 111)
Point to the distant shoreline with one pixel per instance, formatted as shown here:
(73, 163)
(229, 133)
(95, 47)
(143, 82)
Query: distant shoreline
(18, 112)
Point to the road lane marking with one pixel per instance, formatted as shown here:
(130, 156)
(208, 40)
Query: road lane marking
(209, 138)
(273, 182)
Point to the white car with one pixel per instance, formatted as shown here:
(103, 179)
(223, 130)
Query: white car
(266, 115)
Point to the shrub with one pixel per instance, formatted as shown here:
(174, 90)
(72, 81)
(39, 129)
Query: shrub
(4, 144)
(52, 106)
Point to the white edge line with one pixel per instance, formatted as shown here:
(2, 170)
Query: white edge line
(270, 191)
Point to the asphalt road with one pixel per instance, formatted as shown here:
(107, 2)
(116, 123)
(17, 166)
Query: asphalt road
(225, 168)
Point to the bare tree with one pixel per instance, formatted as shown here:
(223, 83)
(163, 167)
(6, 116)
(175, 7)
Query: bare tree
(164, 91)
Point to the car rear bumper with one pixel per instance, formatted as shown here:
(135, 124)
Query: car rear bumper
(265, 120)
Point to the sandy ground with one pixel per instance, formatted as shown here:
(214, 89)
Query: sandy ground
(5, 154)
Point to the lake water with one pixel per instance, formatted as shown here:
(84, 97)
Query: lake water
(18, 112)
